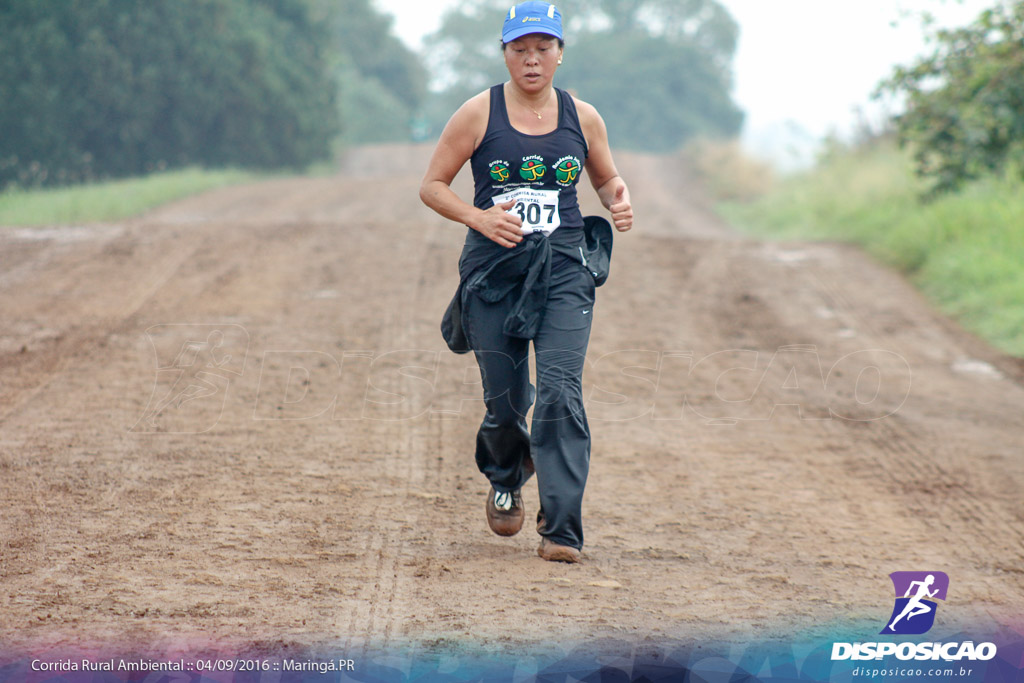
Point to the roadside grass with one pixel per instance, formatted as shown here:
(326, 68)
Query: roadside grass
(110, 200)
(726, 171)
(965, 251)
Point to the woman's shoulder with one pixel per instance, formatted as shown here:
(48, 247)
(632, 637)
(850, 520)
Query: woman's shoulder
(480, 99)
(481, 102)
(475, 108)
(586, 111)
(590, 120)
(470, 120)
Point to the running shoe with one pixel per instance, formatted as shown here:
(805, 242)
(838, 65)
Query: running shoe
(505, 512)
(552, 552)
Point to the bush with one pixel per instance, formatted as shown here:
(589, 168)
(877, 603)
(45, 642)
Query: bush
(965, 103)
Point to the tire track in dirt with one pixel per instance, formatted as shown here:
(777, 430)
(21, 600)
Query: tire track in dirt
(407, 470)
(932, 482)
(914, 472)
(41, 366)
(917, 477)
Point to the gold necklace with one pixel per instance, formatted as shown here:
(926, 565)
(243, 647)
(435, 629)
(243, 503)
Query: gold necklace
(539, 117)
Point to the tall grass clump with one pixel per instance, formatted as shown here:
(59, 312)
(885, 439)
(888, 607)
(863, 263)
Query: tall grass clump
(111, 200)
(965, 249)
(726, 171)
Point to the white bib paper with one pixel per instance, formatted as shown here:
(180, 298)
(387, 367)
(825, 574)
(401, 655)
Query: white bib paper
(538, 209)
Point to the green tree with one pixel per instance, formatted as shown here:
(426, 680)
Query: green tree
(704, 23)
(98, 88)
(659, 71)
(649, 102)
(964, 103)
(383, 83)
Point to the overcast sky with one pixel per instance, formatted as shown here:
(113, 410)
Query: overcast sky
(802, 66)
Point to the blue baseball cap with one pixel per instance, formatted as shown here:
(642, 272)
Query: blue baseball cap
(532, 17)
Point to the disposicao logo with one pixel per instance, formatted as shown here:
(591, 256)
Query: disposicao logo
(916, 592)
(913, 614)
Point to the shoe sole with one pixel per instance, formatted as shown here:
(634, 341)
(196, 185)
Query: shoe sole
(552, 552)
(497, 527)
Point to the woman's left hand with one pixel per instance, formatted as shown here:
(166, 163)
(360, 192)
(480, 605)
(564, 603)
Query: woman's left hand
(622, 209)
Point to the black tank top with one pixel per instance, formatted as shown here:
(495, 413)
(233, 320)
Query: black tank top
(507, 159)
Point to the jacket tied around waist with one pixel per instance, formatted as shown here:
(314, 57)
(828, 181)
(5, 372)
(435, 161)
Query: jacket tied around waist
(492, 272)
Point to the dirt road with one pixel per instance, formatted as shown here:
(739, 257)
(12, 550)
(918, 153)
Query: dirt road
(233, 423)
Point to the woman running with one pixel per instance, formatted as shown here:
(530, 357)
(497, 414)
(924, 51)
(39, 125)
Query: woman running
(525, 272)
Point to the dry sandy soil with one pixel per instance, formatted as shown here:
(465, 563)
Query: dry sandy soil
(233, 423)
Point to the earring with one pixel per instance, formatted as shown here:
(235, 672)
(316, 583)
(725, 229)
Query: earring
(559, 60)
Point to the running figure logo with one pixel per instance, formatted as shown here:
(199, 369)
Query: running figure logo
(533, 168)
(499, 170)
(195, 364)
(916, 592)
(567, 170)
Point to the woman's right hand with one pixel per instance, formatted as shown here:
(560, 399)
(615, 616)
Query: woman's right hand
(497, 225)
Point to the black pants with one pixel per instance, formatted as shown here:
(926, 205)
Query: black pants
(559, 438)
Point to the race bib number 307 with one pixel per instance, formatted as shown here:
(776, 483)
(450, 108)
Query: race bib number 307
(538, 209)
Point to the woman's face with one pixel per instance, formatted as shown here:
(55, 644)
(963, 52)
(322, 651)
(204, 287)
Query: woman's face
(532, 60)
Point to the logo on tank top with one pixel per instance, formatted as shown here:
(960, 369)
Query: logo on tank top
(567, 170)
(533, 168)
(499, 170)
